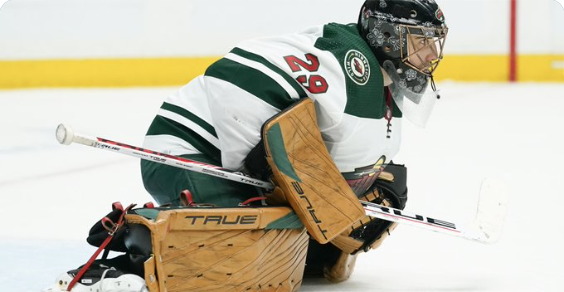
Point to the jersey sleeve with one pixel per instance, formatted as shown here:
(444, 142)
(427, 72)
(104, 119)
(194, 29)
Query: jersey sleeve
(222, 112)
(244, 90)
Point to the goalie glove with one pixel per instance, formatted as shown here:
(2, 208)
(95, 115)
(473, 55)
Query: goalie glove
(336, 261)
(388, 190)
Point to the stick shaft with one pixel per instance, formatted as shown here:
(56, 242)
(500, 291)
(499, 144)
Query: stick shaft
(470, 232)
(168, 159)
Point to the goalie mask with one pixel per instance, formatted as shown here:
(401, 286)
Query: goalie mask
(407, 37)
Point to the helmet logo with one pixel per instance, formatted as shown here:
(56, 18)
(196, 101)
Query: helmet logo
(439, 15)
(383, 4)
(357, 67)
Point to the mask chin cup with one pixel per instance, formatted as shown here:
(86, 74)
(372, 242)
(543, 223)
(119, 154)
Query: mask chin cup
(416, 107)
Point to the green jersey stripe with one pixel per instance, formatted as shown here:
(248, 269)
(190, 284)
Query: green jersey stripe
(251, 80)
(262, 60)
(366, 100)
(189, 124)
(190, 116)
(164, 126)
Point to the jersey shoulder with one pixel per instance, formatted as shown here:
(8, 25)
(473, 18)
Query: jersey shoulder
(363, 77)
(330, 63)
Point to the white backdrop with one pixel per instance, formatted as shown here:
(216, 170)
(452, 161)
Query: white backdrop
(40, 29)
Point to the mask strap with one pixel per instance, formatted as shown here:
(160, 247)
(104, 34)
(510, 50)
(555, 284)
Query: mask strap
(434, 87)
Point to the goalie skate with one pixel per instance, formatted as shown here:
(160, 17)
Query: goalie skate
(123, 283)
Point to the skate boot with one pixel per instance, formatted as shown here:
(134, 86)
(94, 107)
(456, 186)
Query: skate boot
(100, 279)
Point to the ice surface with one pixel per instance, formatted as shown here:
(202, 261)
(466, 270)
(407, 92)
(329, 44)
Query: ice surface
(52, 193)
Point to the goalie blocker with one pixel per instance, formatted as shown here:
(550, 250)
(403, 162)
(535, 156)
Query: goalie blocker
(305, 175)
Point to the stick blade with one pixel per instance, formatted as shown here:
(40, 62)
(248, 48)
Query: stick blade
(492, 209)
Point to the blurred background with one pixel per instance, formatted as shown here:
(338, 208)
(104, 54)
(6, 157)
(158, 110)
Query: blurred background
(85, 43)
(104, 67)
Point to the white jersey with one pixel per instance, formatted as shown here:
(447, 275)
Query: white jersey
(221, 113)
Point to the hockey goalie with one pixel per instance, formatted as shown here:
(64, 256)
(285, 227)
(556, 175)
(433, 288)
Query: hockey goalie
(317, 113)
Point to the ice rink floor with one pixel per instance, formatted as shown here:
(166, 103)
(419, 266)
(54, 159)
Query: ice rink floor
(52, 194)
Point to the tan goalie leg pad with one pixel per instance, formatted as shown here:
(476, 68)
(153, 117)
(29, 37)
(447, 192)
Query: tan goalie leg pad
(342, 270)
(225, 249)
(307, 176)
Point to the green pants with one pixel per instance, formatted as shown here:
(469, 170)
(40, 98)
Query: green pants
(165, 183)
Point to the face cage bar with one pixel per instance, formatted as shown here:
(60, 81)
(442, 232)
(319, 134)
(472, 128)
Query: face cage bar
(431, 36)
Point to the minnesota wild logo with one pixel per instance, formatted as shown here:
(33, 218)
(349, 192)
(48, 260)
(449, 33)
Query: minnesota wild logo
(357, 67)
(439, 15)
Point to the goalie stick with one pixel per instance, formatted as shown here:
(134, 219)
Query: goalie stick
(65, 135)
(486, 228)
